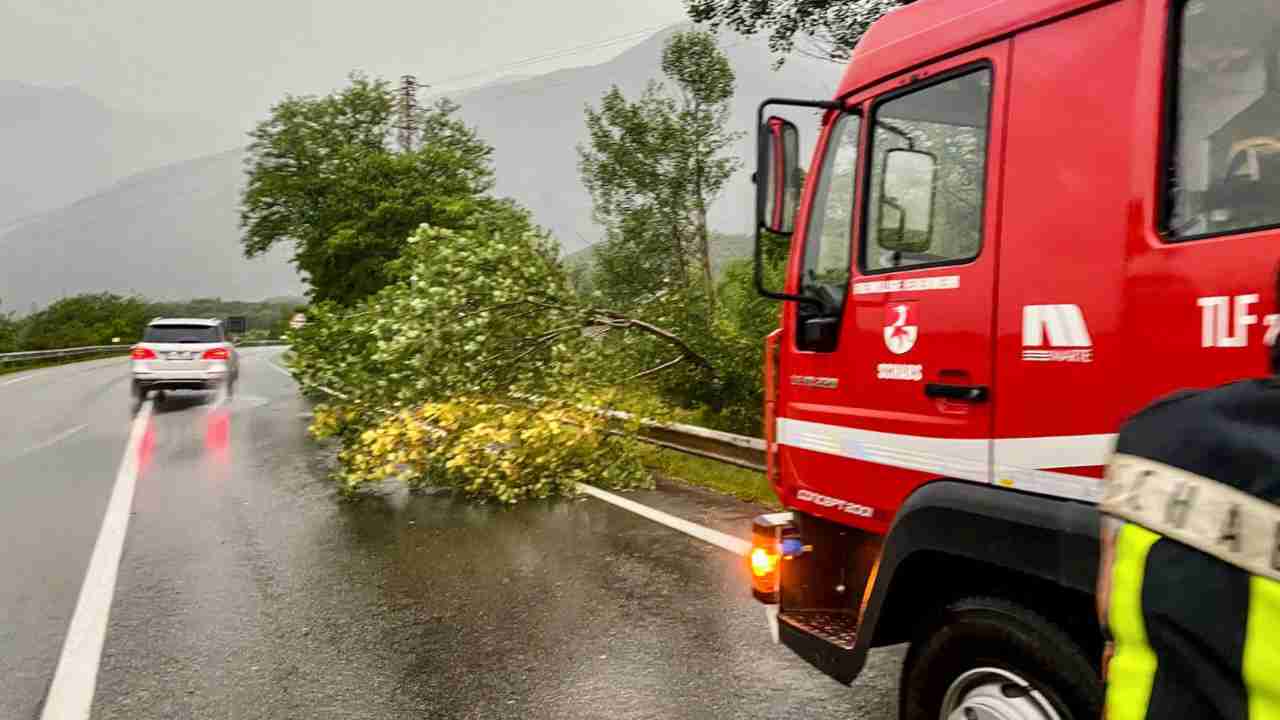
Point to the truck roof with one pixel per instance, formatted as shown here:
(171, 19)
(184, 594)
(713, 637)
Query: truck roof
(927, 30)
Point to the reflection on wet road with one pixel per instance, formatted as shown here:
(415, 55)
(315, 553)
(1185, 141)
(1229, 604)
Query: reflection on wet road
(249, 590)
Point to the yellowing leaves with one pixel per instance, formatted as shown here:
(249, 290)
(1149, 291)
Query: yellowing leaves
(491, 450)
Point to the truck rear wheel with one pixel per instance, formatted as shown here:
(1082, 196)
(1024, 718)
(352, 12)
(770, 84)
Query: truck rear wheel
(988, 658)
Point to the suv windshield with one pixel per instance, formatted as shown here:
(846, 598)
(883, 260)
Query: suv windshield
(182, 334)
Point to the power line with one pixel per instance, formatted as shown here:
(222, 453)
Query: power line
(553, 55)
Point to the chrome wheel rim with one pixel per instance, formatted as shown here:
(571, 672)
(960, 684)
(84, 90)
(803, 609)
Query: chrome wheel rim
(995, 694)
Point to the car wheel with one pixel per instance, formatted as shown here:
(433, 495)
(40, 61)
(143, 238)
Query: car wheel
(988, 658)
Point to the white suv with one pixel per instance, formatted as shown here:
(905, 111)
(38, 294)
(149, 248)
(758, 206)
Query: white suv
(183, 354)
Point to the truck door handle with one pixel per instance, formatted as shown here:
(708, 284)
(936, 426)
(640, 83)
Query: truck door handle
(968, 393)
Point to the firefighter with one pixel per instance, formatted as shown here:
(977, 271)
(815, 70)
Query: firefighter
(1189, 588)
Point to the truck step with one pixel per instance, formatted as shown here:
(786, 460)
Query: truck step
(838, 627)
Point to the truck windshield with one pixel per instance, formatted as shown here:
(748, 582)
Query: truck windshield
(182, 334)
(1226, 154)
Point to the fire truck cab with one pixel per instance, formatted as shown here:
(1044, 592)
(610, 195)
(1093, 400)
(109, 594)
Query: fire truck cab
(1023, 221)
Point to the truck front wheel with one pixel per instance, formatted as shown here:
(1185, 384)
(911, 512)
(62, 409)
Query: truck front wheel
(987, 658)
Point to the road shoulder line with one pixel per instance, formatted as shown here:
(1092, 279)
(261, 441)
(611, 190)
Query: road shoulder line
(71, 692)
(738, 546)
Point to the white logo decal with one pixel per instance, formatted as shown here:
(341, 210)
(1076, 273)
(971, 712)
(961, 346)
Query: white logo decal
(894, 371)
(901, 327)
(1225, 321)
(828, 501)
(943, 282)
(1060, 327)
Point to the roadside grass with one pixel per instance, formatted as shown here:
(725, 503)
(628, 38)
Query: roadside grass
(720, 477)
(10, 368)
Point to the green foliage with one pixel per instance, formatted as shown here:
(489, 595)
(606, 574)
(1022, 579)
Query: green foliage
(98, 318)
(741, 483)
(8, 332)
(270, 317)
(82, 320)
(653, 166)
(489, 451)
(486, 314)
(324, 175)
(829, 29)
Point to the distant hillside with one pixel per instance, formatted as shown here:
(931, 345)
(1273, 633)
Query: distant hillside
(167, 234)
(173, 232)
(535, 125)
(59, 145)
(724, 250)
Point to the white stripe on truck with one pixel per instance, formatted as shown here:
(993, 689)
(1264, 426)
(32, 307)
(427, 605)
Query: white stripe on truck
(1019, 463)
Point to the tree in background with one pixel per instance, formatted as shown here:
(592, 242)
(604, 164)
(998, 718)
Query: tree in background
(326, 175)
(82, 320)
(654, 166)
(269, 316)
(826, 29)
(8, 332)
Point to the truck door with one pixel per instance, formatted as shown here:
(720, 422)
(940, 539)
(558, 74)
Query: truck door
(915, 354)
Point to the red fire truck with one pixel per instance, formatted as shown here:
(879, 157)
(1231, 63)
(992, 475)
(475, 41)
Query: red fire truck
(1024, 220)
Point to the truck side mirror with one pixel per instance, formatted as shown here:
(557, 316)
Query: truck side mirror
(778, 177)
(907, 190)
(779, 180)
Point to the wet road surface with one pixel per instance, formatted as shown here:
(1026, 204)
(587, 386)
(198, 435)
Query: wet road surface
(247, 589)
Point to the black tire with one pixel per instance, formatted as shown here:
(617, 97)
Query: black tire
(988, 632)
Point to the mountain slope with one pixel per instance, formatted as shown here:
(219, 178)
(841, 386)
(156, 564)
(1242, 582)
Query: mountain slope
(536, 124)
(59, 145)
(173, 232)
(169, 233)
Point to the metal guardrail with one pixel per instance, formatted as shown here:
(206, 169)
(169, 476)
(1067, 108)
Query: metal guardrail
(36, 355)
(740, 450)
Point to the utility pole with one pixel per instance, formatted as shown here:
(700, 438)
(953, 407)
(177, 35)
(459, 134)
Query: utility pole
(407, 122)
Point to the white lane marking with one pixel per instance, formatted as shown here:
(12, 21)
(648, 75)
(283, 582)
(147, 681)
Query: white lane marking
(53, 440)
(738, 546)
(17, 379)
(71, 692)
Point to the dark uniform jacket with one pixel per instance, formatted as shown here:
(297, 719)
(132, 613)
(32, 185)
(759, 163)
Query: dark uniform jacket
(1191, 578)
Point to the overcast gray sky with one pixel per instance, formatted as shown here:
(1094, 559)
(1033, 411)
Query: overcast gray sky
(230, 59)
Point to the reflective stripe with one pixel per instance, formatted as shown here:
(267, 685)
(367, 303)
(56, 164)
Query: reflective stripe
(1133, 666)
(1262, 650)
(1212, 517)
(1020, 463)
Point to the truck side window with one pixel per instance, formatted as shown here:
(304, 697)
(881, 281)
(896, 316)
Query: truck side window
(1224, 173)
(828, 239)
(928, 173)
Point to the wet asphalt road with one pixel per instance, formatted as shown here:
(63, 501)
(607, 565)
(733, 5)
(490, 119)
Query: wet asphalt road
(247, 589)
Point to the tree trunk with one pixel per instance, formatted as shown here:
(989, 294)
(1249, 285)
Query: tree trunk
(704, 241)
